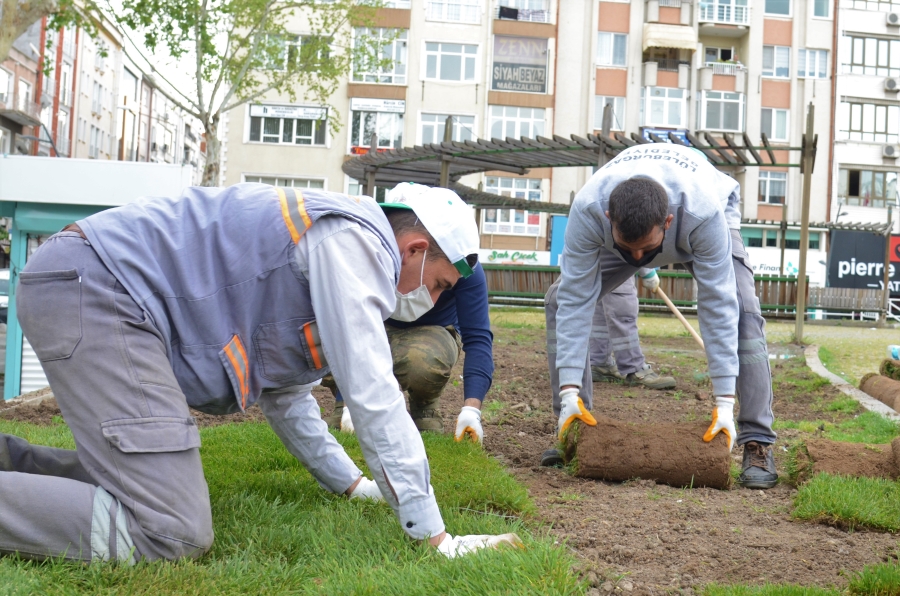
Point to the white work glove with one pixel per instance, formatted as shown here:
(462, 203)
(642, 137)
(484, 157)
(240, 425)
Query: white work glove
(649, 279)
(462, 545)
(722, 421)
(346, 421)
(368, 490)
(468, 425)
(571, 407)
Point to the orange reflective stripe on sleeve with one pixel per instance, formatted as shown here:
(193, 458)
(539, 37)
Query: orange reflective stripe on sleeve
(238, 358)
(294, 213)
(311, 342)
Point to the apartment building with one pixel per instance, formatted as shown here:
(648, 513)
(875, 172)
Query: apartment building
(867, 114)
(490, 65)
(19, 112)
(722, 67)
(152, 127)
(537, 67)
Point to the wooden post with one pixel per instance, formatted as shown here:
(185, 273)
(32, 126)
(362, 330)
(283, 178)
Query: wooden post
(606, 126)
(807, 161)
(370, 173)
(445, 163)
(886, 291)
(783, 229)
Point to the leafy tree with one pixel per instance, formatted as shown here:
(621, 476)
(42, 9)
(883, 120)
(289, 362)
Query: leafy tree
(240, 51)
(16, 16)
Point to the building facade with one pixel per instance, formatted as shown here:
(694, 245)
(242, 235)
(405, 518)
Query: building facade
(512, 68)
(867, 113)
(494, 76)
(19, 110)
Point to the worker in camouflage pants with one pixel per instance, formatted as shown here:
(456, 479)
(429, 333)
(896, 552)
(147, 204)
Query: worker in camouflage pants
(423, 358)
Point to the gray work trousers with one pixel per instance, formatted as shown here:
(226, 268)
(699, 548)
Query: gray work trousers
(614, 330)
(754, 382)
(134, 487)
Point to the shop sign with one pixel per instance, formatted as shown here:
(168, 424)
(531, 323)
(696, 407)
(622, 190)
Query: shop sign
(520, 64)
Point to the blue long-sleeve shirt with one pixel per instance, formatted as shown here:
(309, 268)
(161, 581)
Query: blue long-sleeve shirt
(465, 306)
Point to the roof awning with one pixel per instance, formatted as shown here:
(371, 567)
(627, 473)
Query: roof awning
(659, 35)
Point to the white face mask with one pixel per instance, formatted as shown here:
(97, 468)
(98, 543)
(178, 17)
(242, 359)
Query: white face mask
(415, 304)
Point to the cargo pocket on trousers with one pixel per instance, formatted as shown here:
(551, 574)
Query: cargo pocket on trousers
(158, 434)
(49, 308)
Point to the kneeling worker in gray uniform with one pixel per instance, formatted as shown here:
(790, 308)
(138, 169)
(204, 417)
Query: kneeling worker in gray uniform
(656, 205)
(217, 300)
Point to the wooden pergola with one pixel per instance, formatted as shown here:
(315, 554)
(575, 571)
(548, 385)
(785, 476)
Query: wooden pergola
(443, 164)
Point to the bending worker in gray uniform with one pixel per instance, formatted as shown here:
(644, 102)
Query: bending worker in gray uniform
(217, 300)
(655, 205)
(615, 347)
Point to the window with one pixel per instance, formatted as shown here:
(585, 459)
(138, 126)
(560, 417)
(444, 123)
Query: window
(509, 121)
(96, 98)
(821, 8)
(65, 84)
(286, 181)
(723, 111)
(782, 7)
(512, 221)
(618, 111)
(812, 64)
(392, 44)
(611, 49)
(772, 187)
(300, 52)
(461, 11)
(94, 145)
(733, 12)
(450, 61)
(463, 128)
(536, 11)
(717, 54)
(870, 56)
(355, 189)
(388, 126)
(874, 123)
(288, 131)
(5, 80)
(62, 133)
(664, 106)
(776, 62)
(753, 237)
(771, 237)
(774, 124)
(880, 5)
(24, 98)
(867, 188)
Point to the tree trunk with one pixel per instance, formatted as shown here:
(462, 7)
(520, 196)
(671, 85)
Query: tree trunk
(211, 172)
(16, 17)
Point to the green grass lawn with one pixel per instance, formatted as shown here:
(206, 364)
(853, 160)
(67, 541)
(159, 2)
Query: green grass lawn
(278, 532)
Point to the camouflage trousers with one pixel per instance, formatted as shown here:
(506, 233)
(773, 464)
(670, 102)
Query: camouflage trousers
(423, 358)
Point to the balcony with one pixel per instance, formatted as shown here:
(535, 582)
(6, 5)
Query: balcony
(20, 109)
(727, 68)
(725, 18)
(723, 76)
(669, 64)
(508, 10)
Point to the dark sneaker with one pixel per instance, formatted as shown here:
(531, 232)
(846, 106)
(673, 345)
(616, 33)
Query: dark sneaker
(552, 458)
(607, 373)
(758, 467)
(649, 379)
(334, 421)
(429, 420)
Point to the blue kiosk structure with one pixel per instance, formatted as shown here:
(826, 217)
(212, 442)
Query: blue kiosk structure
(41, 195)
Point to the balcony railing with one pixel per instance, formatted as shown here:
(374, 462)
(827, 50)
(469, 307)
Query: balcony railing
(726, 68)
(669, 64)
(20, 109)
(731, 12)
(524, 10)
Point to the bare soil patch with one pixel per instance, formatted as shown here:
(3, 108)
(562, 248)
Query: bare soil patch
(639, 536)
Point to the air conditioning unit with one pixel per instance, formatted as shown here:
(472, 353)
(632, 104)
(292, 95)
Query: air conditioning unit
(892, 18)
(892, 85)
(890, 151)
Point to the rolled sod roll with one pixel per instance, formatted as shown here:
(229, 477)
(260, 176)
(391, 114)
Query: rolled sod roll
(890, 368)
(673, 454)
(885, 390)
(852, 459)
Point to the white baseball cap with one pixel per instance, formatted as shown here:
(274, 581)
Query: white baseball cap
(449, 220)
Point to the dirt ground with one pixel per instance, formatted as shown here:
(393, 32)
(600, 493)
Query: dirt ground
(637, 536)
